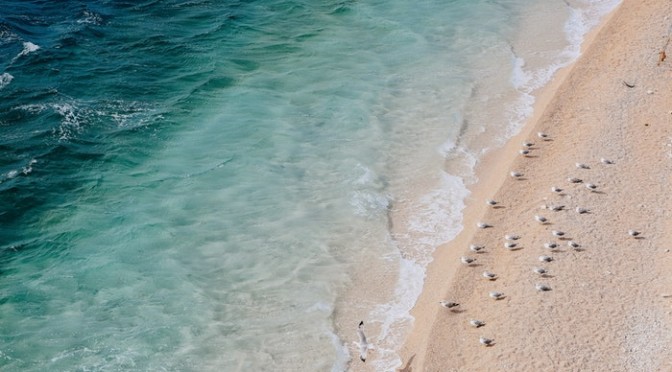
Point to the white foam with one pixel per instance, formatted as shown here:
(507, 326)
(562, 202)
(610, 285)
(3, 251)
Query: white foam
(28, 48)
(5, 79)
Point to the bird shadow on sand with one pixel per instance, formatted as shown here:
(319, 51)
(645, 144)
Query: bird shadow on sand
(407, 367)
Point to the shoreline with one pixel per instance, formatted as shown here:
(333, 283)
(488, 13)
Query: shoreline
(445, 275)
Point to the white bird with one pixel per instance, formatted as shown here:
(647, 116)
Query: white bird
(545, 258)
(582, 166)
(510, 245)
(556, 189)
(449, 304)
(573, 244)
(574, 180)
(490, 276)
(467, 260)
(606, 161)
(483, 225)
(491, 202)
(543, 136)
(556, 208)
(515, 174)
(634, 233)
(476, 323)
(542, 287)
(486, 341)
(476, 248)
(580, 210)
(511, 237)
(496, 295)
(558, 233)
(540, 270)
(591, 187)
(550, 245)
(528, 144)
(524, 152)
(364, 346)
(541, 219)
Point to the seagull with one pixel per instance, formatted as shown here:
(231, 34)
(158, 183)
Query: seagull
(486, 341)
(606, 161)
(558, 233)
(550, 245)
(515, 174)
(510, 245)
(574, 180)
(511, 237)
(483, 225)
(541, 219)
(491, 202)
(545, 258)
(591, 187)
(476, 248)
(449, 304)
(543, 136)
(556, 189)
(556, 208)
(496, 295)
(634, 233)
(582, 166)
(524, 152)
(528, 144)
(467, 260)
(580, 210)
(476, 323)
(540, 270)
(542, 287)
(490, 276)
(364, 346)
(573, 244)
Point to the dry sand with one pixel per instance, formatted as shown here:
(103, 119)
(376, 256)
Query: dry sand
(608, 309)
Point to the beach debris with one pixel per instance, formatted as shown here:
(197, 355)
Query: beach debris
(629, 85)
(491, 202)
(449, 304)
(582, 166)
(543, 136)
(557, 233)
(556, 189)
(545, 258)
(490, 276)
(476, 323)
(496, 295)
(574, 180)
(467, 260)
(515, 174)
(550, 245)
(483, 225)
(542, 287)
(606, 161)
(541, 271)
(580, 210)
(511, 237)
(591, 186)
(476, 248)
(486, 341)
(541, 219)
(634, 233)
(363, 345)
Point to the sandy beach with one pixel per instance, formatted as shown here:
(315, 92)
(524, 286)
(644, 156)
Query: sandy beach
(609, 307)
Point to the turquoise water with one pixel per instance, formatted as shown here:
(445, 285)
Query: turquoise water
(202, 185)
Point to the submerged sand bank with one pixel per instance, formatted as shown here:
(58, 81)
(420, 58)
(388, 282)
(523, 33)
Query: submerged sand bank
(608, 307)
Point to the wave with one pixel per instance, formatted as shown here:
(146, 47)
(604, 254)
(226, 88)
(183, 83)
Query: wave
(5, 79)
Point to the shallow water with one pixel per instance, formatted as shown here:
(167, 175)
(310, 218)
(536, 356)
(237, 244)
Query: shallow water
(193, 185)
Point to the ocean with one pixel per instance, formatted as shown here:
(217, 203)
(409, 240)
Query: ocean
(233, 185)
